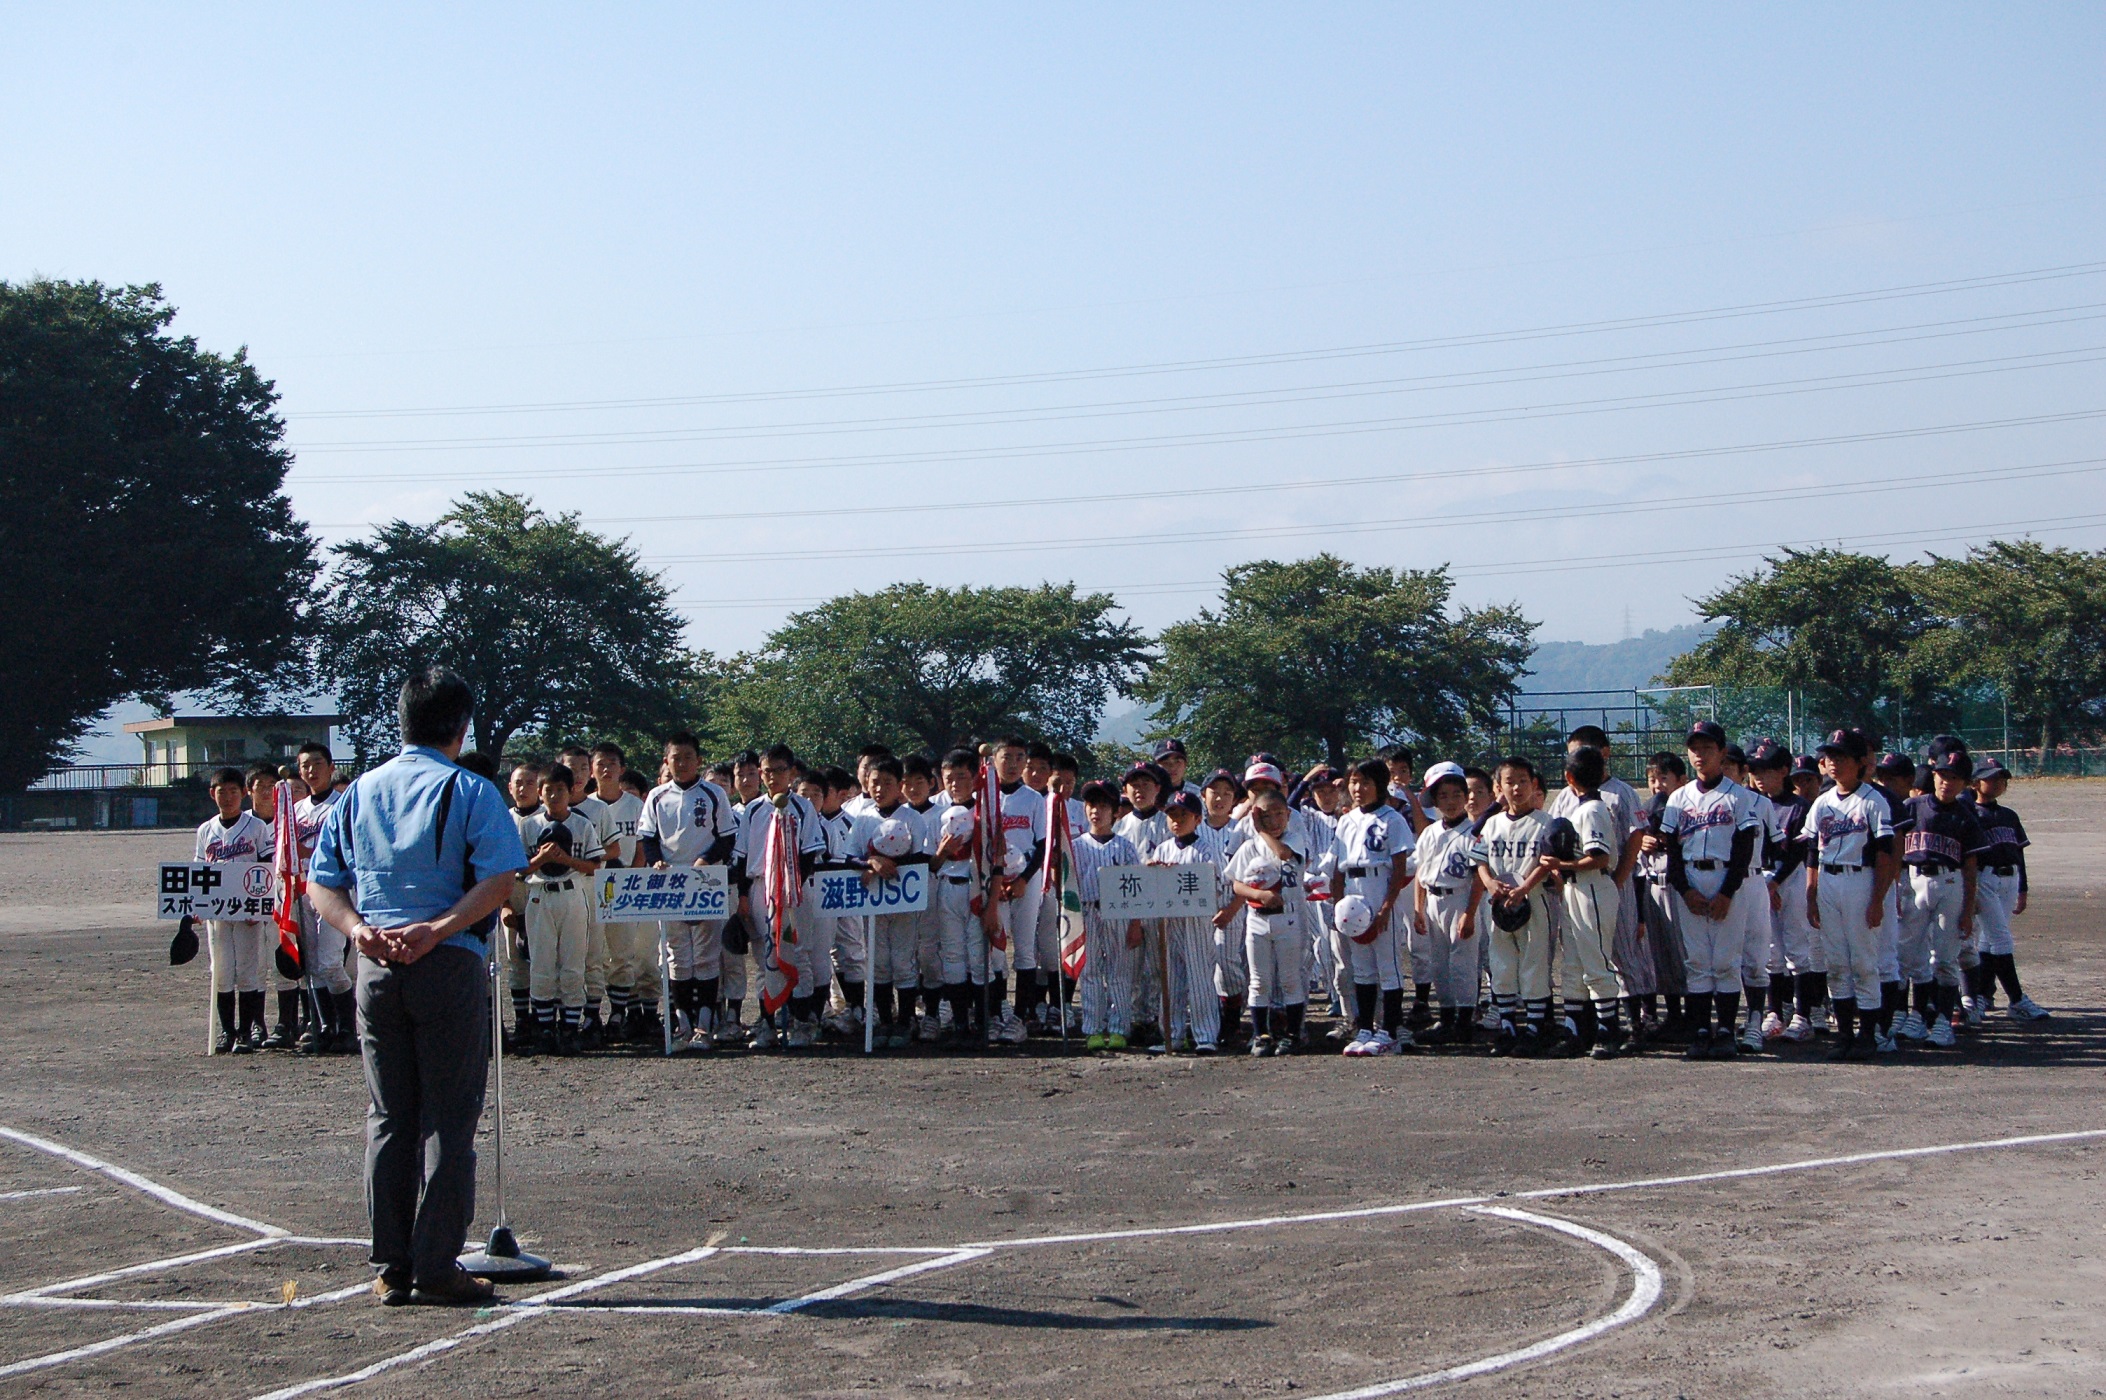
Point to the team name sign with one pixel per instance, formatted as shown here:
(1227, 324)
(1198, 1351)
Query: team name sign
(238, 889)
(685, 894)
(1158, 891)
(844, 892)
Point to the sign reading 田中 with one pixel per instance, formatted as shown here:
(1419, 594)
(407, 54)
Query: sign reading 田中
(239, 889)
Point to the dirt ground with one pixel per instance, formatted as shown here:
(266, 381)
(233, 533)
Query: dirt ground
(1944, 1273)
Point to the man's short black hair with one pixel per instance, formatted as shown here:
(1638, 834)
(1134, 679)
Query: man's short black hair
(1014, 741)
(1066, 763)
(559, 775)
(1376, 771)
(266, 771)
(1519, 764)
(782, 756)
(1668, 763)
(1587, 766)
(478, 763)
(683, 738)
(745, 758)
(716, 771)
(1040, 750)
(228, 775)
(434, 707)
(314, 746)
(613, 751)
(890, 766)
(1400, 753)
(1591, 735)
(636, 782)
(962, 758)
(1477, 773)
(918, 764)
(838, 779)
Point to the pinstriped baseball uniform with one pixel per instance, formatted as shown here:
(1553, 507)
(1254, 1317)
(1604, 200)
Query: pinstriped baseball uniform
(1193, 1005)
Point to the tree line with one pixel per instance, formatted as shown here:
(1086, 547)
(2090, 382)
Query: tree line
(152, 550)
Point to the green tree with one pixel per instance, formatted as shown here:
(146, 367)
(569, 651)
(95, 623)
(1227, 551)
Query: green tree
(1833, 624)
(1320, 657)
(2031, 619)
(149, 546)
(559, 630)
(919, 667)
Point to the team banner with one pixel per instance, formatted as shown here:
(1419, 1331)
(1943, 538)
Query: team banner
(232, 890)
(684, 894)
(844, 892)
(1158, 891)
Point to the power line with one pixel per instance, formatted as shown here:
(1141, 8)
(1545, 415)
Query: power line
(1161, 367)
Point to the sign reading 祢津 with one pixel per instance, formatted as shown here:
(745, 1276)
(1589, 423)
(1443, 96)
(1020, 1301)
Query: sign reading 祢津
(1158, 891)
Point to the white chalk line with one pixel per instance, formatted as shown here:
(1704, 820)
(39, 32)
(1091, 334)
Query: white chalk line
(39, 1191)
(152, 1266)
(1645, 1291)
(181, 1324)
(869, 1281)
(531, 1308)
(165, 1195)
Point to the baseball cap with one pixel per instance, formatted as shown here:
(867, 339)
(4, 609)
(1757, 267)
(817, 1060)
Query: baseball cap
(1444, 770)
(1768, 753)
(1953, 763)
(1891, 762)
(1261, 771)
(1806, 763)
(1736, 755)
(1184, 802)
(1222, 775)
(1166, 747)
(1322, 773)
(1143, 770)
(1990, 768)
(1850, 743)
(1707, 729)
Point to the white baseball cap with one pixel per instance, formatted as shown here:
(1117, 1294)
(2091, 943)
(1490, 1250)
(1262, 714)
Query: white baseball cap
(1443, 770)
(1264, 772)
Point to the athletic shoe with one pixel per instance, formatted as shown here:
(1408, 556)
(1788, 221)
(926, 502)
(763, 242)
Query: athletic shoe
(1403, 1041)
(1009, 1030)
(1099, 1041)
(847, 1021)
(1751, 1036)
(1723, 1045)
(901, 1039)
(228, 1044)
(682, 1035)
(729, 1033)
(1818, 1019)
(1909, 1026)
(765, 1036)
(944, 1015)
(1204, 1047)
(254, 1039)
(1799, 1031)
(1941, 1034)
(590, 1036)
(1381, 1043)
(1974, 1013)
(1845, 1048)
(802, 1033)
(1344, 1034)
(1283, 1046)
(2027, 1009)
(1885, 1044)
(566, 1041)
(1357, 1046)
(1261, 1046)
(280, 1038)
(1699, 1046)
(1115, 1041)
(1772, 1026)
(391, 1287)
(1608, 1046)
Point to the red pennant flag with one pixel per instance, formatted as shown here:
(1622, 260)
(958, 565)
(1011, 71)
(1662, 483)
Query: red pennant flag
(785, 889)
(286, 878)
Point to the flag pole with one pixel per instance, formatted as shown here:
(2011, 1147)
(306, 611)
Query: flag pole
(869, 984)
(501, 1260)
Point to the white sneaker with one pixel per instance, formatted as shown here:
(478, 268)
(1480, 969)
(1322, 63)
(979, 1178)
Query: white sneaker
(847, 1021)
(1799, 1031)
(1975, 1012)
(1909, 1026)
(1381, 1043)
(1009, 1030)
(765, 1036)
(2026, 1009)
(800, 1035)
(1885, 1044)
(1940, 1033)
(729, 1033)
(1359, 1043)
(1751, 1036)
(943, 1014)
(1819, 1019)
(1403, 1041)
(1772, 1026)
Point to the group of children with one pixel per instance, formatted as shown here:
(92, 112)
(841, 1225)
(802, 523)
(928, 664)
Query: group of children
(1554, 915)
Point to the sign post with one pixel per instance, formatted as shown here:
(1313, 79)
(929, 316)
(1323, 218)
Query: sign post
(847, 892)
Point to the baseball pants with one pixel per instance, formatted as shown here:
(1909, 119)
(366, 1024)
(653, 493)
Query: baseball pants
(850, 947)
(1995, 900)
(1850, 947)
(1046, 931)
(895, 952)
(813, 955)
(1453, 962)
(239, 949)
(1020, 921)
(1380, 960)
(962, 943)
(928, 939)
(694, 949)
(632, 960)
(1630, 952)
(595, 952)
(1520, 958)
(1661, 910)
(1107, 975)
(731, 970)
(1330, 966)
(1590, 930)
(1145, 985)
(1278, 963)
(1889, 934)
(1711, 948)
(1193, 1006)
(1752, 903)
(555, 927)
(322, 952)
(1930, 938)
(1231, 958)
(1793, 947)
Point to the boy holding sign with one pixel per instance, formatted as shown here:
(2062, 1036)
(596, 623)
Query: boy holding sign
(1107, 969)
(235, 837)
(1188, 943)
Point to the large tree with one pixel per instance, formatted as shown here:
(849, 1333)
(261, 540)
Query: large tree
(1833, 624)
(558, 629)
(920, 667)
(148, 545)
(2030, 619)
(1323, 658)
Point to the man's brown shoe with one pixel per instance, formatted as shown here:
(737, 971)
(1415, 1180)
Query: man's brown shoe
(457, 1289)
(391, 1287)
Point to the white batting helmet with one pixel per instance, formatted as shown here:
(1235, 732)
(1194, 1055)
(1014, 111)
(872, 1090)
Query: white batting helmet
(1353, 916)
(893, 838)
(957, 822)
(1014, 861)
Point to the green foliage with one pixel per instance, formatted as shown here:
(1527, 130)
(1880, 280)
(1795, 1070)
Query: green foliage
(1834, 624)
(2030, 619)
(560, 631)
(149, 545)
(919, 667)
(1320, 658)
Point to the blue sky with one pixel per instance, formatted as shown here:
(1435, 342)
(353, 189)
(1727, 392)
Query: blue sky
(649, 239)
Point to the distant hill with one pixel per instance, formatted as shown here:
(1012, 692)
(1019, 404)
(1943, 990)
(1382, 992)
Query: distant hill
(1624, 665)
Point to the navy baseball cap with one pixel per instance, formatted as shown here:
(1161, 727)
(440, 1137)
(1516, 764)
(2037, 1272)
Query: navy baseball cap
(1185, 802)
(1166, 747)
(1222, 775)
(1143, 770)
(1952, 763)
(1707, 729)
(1891, 762)
(1769, 753)
(1736, 755)
(1990, 768)
(1806, 763)
(1850, 743)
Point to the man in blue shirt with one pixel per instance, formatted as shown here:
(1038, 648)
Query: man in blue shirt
(412, 864)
